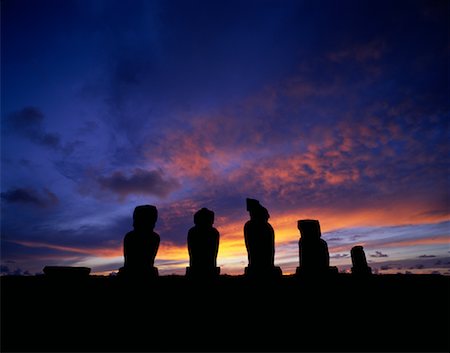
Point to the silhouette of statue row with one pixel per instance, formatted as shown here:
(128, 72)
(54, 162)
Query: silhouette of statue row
(141, 245)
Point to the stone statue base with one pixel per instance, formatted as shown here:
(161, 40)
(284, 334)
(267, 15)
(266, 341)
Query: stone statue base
(331, 270)
(150, 272)
(362, 271)
(193, 272)
(264, 272)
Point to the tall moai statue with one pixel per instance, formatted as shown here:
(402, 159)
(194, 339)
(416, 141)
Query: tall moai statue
(359, 261)
(203, 246)
(314, 257)
(140, 246)
(260, 242)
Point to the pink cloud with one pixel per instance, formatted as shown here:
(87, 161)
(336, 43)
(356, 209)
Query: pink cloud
(102, 252)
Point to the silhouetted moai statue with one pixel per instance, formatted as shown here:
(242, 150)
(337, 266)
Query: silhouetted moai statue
(203, 246)
(260, 242)
(359, 261)
(141, 244)
(313, 251)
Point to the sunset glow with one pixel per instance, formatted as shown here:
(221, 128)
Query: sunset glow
(107, 105)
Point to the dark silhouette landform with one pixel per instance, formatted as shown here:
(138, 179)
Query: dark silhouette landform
(317, 309)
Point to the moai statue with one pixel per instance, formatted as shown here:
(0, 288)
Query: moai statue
(313, 251)
(141, 244)
(203, 246)
(260, 242)
(359, 261)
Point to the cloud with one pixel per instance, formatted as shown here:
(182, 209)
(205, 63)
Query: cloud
(228, 151)
(28, 122)
(427, 256)
(30, 196)
(338, 256)
(418, 267)
(140, 181)
(355, 237)
(334, 239)
(401, 236)
(66, 244)
(370, 51)
(110, 251)
(6, 271)
(393, 243)
(378, 254)
(385, 268)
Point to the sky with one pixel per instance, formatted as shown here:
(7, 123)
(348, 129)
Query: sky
(329, 110)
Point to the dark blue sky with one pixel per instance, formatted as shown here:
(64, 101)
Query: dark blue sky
(334, 110)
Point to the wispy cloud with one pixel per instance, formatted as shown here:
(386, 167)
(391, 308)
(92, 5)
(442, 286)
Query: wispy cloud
(139, 181)
(371, 51)
(30, 196)
(378, 254)
(6, 270)
(29, 122)
(339, 256)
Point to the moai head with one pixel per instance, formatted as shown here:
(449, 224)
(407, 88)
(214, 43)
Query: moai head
(252, 204)
(309, 229)
(145, 217)
(358, 257)
(204, 218)
(257, 211)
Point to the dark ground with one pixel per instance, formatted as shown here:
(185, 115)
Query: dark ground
(171, 313)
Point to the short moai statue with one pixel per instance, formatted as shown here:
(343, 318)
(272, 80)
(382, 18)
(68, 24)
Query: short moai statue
(359, 261)
(140, 246)
(260, 242)
(203, 246)
(314, 257)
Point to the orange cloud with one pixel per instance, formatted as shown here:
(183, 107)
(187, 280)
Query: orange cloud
(436, 240)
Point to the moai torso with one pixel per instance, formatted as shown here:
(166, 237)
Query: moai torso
(260, 242)
(203, 246)
(140, 249)
(259, 238)
(359, 260)
(140, 246)
(313, 251)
